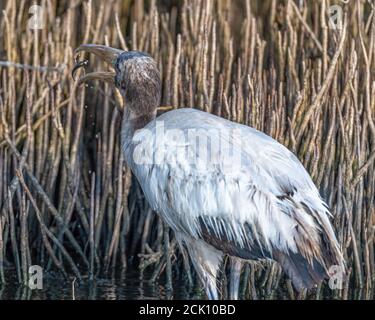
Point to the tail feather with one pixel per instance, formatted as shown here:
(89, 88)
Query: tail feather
(317, 248)
(299, 270)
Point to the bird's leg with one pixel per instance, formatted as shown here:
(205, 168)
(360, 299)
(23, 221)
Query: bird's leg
(207, 273)
(206, 261)
(235, 276)
(211, 291)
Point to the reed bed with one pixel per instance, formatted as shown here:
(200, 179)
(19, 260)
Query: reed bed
(68, 202)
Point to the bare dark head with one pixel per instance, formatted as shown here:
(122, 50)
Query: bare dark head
(136, 76)
(138, 79)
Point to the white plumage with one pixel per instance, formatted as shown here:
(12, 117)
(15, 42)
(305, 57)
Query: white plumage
(266, 202)
(224, 188)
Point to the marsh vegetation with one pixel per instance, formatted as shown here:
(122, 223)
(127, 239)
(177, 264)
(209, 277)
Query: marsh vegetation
(68, 203)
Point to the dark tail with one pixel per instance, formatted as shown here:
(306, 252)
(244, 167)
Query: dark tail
(300, 271)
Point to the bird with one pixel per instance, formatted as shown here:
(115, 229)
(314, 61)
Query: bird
(224, 188)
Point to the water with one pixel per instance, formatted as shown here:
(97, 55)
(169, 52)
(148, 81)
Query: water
(127, 287)
(130, 287)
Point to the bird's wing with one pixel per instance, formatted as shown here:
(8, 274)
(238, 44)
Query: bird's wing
(248, 195)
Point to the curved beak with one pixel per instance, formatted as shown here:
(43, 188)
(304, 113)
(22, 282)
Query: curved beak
(107, 54)
(98, 75)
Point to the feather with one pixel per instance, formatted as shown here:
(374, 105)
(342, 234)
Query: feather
(249, 196)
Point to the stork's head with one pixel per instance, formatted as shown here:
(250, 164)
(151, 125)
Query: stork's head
(135, 74)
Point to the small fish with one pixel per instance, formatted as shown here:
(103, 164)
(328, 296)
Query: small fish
(79, 64)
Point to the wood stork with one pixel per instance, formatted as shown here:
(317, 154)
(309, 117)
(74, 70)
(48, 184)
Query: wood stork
(223, 188)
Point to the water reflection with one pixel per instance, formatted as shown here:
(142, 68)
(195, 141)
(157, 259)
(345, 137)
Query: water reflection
(129, 287)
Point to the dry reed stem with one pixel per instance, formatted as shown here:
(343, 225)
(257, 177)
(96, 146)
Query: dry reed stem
(275, 65)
